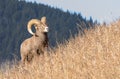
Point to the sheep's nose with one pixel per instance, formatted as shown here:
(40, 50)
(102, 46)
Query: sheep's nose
(46, 29)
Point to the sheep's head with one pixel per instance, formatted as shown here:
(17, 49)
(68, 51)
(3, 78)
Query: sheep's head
(40, 26)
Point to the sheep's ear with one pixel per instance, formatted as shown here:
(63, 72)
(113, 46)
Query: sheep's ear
(43, 19)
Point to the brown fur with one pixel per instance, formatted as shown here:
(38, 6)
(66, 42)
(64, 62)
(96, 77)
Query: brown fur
(34, 45)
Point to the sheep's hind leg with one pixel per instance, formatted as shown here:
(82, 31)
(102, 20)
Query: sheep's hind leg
(23, 59)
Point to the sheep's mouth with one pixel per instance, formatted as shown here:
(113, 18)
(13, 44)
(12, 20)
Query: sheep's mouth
(46, 29)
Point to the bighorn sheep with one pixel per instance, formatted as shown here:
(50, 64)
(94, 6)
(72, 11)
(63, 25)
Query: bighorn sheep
(37, 43)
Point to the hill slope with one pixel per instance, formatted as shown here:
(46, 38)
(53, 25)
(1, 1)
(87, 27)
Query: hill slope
(93, 56)
(15, 14)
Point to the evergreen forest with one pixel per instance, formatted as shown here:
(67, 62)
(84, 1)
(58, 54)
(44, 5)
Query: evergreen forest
(14, 15)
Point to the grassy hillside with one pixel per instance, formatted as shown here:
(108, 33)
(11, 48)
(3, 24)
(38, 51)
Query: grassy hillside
(15, 14)
(96, 55)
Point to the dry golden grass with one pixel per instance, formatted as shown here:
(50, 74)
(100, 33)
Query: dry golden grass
(93, 56)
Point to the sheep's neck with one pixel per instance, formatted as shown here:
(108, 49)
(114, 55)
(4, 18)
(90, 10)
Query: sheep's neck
(40, 36)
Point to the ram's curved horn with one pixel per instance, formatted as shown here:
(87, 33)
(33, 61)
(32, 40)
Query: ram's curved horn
(43, 19)
(31, 23)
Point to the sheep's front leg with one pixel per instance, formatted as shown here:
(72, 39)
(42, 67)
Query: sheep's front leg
(40, 51)
(30, 57)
